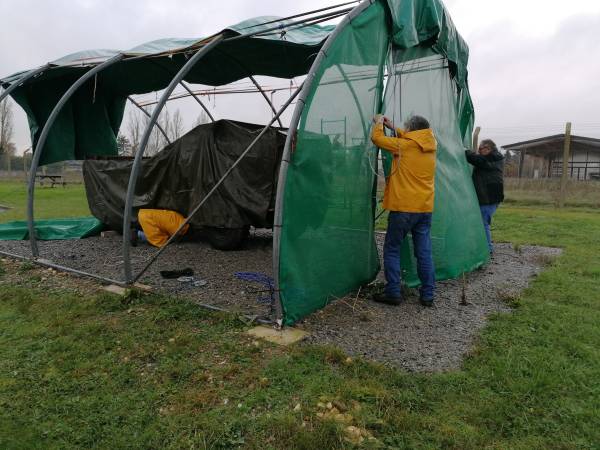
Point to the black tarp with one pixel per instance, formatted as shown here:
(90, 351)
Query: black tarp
(178, 178)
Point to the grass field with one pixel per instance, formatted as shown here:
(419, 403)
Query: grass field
(50, 203)
(80, 369)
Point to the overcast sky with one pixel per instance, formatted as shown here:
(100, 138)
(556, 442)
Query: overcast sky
(534, 64)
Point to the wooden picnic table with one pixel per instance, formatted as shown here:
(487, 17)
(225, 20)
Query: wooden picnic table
(53, 179)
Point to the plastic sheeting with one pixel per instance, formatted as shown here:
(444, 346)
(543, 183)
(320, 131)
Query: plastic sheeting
(88, 124)
(54, 229)
(178, 178)
(327, 239)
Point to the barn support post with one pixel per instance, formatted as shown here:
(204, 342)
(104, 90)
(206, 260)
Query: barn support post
(42, 141)
(147, 114)
(28, 76)
(565, 166)
(217, 184)
(287, 151)
(139, 154)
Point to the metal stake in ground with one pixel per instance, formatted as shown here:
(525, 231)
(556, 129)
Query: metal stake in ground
(215, 187)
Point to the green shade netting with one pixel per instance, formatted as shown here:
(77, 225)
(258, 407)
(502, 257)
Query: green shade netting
(327, 239)
(53, 229)
(89, 123)
(421, 85)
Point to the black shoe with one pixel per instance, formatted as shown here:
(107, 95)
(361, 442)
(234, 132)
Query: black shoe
(428, 302)
(133, 237)
(383, 298)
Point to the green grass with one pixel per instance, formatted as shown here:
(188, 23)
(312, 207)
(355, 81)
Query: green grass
(93, 371)
(50, 203)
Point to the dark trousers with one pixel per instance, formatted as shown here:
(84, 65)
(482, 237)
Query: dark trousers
(399, 225)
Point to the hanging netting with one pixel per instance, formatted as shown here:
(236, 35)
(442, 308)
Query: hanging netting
(419, 82)
(327, 239)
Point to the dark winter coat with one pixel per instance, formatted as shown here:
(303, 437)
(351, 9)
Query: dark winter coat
(488, 177)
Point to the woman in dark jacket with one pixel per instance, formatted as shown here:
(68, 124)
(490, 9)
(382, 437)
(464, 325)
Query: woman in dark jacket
(488, 173)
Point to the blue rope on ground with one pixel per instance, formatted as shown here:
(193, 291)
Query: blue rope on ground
(261, 278)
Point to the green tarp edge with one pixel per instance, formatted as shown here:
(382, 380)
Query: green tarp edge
(52, 229)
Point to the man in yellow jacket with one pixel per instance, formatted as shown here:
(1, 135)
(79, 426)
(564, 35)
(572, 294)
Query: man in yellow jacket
(409, 195)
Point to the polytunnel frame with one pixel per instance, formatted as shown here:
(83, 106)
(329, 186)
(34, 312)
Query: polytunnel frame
(302, 92)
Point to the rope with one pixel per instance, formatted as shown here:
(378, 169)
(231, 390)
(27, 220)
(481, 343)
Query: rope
(260, 278)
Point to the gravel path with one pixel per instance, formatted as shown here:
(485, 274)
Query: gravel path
(407, 336)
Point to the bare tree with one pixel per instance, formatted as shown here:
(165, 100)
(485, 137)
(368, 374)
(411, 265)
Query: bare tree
(137, 123)
(202, 118)
(134, 130)
(6, 128)
(175, 129)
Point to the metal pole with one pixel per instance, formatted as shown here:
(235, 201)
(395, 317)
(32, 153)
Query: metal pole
(29, 75)
(356, 102)
(185, 86)
(565, 160)
(164, 133)
(277, 223)
(46, 263)
(216, 186)
(266, 97)
(42, 141)
(139, 154)
(291, 24)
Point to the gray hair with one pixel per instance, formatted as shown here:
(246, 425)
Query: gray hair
(415, 123)
(489, 143)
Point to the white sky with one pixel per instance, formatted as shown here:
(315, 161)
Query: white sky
(534, 64)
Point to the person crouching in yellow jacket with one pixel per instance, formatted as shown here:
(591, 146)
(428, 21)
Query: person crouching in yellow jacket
(409, 196)
(159, 225)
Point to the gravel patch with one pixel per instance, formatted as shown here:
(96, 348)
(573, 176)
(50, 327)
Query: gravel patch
(420, 339)
(408, 336)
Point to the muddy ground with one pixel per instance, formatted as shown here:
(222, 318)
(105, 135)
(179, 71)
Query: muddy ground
(408, 336)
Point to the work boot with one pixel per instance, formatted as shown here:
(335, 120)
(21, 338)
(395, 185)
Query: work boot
(428, 302)
(388, 300)
(133, 237)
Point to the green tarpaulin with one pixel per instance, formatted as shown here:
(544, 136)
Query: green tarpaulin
(52, 229)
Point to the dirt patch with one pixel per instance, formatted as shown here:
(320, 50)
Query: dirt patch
(407, 336)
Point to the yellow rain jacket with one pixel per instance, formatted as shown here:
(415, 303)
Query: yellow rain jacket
(410, 185)
(160, 224)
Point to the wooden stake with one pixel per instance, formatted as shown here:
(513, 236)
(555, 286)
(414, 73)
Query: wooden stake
(565, 166)
(476, 138)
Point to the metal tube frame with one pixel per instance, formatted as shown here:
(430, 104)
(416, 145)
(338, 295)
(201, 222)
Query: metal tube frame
(28, 76)
(186, 87)
(139, 154)
(266, 97)
(216, 186)
(164, 133)
(42, 141)
(44, 263)
(277, 223)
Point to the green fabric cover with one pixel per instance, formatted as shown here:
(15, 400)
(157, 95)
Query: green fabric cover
(327, 239)
(53, 229)
(88, 125)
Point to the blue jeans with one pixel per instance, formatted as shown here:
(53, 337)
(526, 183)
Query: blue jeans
(399, 225)
(487, 211)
